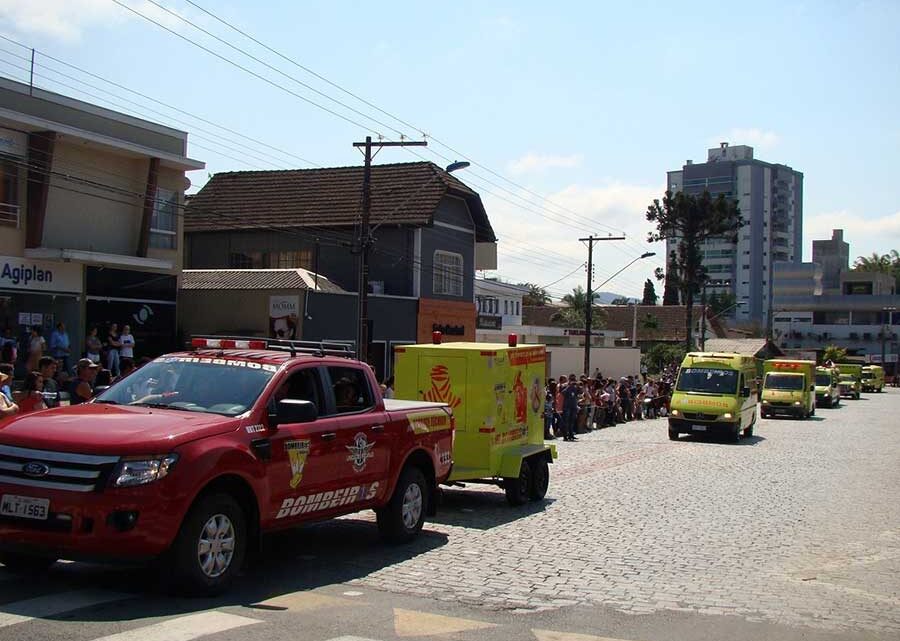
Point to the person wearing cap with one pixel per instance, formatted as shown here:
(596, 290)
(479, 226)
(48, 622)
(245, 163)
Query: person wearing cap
(7, 407)
(81, 388)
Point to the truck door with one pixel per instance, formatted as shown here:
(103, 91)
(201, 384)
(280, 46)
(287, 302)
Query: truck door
(303, 455)
(366, 441)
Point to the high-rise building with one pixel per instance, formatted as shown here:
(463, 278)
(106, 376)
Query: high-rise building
(834, 257)
(770, 197)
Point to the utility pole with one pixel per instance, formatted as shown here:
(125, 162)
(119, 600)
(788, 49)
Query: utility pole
(590, 240)
(886, 318)
(703, 320)
(365, 240)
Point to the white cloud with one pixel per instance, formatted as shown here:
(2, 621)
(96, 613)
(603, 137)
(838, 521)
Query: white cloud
(67, 20)
(757, 138)
(865, 235)
(543, 247)
(532, 162)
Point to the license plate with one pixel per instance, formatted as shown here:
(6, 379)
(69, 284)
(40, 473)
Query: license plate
(698, 428)
(24, 507)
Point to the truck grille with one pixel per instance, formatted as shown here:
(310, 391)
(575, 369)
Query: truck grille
(54, 470)
(697, 416)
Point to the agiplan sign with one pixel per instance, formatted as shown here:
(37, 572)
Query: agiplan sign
(39, 275)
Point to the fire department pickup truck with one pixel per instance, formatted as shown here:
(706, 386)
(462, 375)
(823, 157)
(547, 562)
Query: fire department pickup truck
(192, 457)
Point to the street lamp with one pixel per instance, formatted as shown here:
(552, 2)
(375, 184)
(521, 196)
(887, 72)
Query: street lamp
(886, 314)
(587, 315)
(706, 319)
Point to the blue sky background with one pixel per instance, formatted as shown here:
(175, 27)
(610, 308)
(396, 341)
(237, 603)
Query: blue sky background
(585, 103)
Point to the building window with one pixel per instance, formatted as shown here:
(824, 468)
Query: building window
(448, 273)
(506, 307)
(9, 193)
(290, 259)
(518, 309)
(164, 223)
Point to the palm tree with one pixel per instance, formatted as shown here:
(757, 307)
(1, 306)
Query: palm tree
(577, 300)
(874, 263)
(834, 354)
(536, 295)
(574, 314)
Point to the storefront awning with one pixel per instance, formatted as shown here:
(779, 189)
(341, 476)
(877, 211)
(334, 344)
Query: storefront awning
(97, 258)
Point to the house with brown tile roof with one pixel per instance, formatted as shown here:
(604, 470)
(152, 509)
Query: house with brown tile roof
(430, 234)
(655, 323)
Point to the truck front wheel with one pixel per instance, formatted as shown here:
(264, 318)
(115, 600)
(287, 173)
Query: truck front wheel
(540, 478)
(210, 547)
(518, 489)
(404, 515)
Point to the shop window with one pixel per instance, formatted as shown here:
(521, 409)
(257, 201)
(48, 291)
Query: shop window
(164, 224)
(9, 193)
(448, 273)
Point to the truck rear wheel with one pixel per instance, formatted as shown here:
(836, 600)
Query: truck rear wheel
(210, 547)
(540, 478)
(518, 489)
(25, 563)
(404, 515)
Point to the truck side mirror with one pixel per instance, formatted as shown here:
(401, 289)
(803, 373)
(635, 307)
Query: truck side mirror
(745, 392)
(812, 388)
(291, 410)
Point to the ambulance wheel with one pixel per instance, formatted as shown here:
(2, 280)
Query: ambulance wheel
(210, 548)
(748, 432)
(404, 515)
(736, 432)
(518, 489)
(673, 435)
(540, 478)
(25, 563)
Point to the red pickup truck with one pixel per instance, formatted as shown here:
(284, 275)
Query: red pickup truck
(192, 457)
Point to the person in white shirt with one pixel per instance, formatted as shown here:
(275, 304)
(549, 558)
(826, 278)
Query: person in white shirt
(127, 340)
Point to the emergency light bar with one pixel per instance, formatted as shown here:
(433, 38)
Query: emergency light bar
(227, 343)
(786, 365)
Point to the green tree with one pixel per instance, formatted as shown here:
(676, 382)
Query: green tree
(884, 264)
(689, 220)
(574, 314)
(621, 300)
(537, 296)
(834, 354)
(650, 296)
(718, 303)
(660, 355)
(670, 277)
(650, 321)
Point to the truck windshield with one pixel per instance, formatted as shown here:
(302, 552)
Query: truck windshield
(868, 375)
(848, 377)
(215, 386)
(823, 380)
(784, 381)
(707, 381)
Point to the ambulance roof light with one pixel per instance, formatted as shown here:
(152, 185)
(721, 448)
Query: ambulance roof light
(436, 337)
(512, 340)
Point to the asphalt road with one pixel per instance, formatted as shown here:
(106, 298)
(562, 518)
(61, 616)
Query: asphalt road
(792, 534)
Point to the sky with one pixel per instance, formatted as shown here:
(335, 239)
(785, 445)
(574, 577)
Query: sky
(571, 112)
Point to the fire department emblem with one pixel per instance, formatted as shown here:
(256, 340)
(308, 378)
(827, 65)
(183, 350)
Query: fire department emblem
(360, 452)
(297, 452)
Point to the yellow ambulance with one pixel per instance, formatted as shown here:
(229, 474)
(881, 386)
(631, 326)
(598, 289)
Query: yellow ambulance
(714, 392)
(789, 387)
(828, 393)
(496, 392)
(873, 378)
(850, 379)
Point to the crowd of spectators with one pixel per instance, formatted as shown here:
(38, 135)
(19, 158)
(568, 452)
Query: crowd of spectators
(575, 405)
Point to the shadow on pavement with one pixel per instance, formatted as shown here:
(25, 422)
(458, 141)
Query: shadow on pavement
(305, 558)
(484, 509)
(722, 439)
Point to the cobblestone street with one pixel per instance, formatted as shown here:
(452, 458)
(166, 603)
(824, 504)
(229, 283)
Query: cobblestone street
(798, 525)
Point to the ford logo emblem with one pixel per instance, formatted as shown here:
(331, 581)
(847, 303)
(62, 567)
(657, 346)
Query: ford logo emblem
(36, 469)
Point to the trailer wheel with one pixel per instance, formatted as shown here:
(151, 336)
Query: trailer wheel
(540, 478)
(518, 489)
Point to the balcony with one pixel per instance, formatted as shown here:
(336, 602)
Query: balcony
(9, 215)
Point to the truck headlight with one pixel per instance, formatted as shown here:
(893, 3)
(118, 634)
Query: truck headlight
(133, 472)
(797, 403)
(727, 415)
(675, 412)
(765, 402)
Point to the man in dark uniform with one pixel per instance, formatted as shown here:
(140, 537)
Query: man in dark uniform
(570, 393)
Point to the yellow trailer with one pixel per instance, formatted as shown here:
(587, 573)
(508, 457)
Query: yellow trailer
(496, 392)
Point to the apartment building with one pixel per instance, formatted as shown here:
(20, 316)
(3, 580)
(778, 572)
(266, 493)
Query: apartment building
(770, 197)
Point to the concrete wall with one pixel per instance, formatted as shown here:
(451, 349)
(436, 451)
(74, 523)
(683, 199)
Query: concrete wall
(612, 361)
(237, 312)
